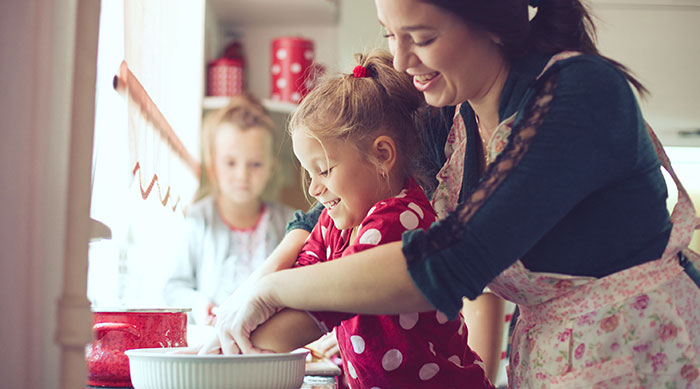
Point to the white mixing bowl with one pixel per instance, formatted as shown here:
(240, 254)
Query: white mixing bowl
(171, 368)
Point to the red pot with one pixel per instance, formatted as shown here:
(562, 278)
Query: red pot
(117, 330)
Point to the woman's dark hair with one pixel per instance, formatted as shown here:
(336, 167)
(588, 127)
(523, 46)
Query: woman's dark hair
(559, 25)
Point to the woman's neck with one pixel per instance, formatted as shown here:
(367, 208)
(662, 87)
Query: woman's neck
(239, 215)
(486, 106)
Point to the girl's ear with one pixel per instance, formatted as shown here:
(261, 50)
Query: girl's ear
(384, 152)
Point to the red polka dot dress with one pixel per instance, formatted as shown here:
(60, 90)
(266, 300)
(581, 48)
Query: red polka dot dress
(413, 350)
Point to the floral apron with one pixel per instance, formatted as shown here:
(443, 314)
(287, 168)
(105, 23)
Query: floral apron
(637, 328)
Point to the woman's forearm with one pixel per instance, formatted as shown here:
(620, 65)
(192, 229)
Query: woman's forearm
(374, 281)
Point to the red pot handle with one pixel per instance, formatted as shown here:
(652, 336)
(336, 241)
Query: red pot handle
(100, 329)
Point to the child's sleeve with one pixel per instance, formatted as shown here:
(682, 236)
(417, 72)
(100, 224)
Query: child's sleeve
(305, 220)
(384, 224)
(388, 220)
(314, 249)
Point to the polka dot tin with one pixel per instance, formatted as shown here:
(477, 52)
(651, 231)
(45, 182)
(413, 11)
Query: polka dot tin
(292, 70)
(225, 77)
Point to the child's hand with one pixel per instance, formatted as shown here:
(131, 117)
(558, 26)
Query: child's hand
(327, 345)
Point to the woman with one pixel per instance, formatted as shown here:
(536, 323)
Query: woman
(549, 191)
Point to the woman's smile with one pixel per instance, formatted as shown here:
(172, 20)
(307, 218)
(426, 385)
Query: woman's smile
(423, 81)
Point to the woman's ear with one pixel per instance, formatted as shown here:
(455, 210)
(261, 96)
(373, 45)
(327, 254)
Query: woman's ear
(384, 152)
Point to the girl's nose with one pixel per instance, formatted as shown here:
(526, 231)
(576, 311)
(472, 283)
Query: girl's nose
(315, 188)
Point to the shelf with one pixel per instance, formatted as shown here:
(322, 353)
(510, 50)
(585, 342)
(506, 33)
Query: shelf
(217, 102)
(257, 12)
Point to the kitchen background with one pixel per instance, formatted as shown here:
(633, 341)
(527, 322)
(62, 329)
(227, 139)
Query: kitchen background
(58, 98)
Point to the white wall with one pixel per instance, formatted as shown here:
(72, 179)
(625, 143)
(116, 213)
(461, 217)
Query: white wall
(659, 43)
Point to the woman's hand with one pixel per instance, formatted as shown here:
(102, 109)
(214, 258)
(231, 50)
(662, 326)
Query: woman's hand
(247, 308)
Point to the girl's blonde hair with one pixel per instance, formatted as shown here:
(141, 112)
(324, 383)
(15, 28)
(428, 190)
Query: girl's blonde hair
(243, 112)
(359, 109)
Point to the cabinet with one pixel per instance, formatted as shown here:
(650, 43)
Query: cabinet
(339, 28)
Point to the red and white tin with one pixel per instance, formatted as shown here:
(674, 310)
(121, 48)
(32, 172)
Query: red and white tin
(225, 77)
(291, 68)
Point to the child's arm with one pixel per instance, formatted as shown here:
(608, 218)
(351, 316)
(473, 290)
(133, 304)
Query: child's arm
(485, 322)
(287, 330)
(284, 255)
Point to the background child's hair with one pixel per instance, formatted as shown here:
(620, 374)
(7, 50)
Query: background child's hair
(359, 109)
(243, 112)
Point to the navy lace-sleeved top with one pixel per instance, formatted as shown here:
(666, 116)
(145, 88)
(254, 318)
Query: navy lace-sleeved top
(586, 197)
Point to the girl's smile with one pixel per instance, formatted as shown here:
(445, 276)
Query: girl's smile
(345, 182)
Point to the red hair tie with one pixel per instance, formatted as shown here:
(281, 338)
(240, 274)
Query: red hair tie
(360, 72)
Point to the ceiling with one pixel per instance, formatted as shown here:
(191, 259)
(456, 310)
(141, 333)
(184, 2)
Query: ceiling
(246, 12)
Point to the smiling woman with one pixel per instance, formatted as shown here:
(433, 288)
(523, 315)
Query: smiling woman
(561, 199)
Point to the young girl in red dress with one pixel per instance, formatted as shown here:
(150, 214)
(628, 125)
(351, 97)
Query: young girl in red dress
(354, 136)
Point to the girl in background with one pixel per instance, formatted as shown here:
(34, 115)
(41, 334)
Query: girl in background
(231, 230)
(354, 135)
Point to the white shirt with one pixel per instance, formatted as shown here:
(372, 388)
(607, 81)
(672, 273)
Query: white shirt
(215, 259)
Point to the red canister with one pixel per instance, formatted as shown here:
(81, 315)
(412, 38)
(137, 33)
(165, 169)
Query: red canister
(292, 58)
(225, 77)
(115, 331)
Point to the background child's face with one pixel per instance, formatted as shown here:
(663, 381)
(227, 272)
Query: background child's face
(346, 183)
(242, 162)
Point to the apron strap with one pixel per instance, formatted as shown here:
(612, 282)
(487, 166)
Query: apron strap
(666, 163)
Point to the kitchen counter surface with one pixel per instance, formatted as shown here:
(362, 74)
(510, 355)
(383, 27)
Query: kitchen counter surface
(310, 382)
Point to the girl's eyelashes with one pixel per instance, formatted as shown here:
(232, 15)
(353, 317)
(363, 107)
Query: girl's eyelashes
(325, 172)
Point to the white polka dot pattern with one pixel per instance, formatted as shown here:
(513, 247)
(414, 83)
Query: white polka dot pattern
(408, 320)
(428, 371)
(295, 68)
(323, 233)
(351, 370)
(281, 83)
(371, 236)
(401, 195)
(311, 253)
(309, 55)
(328, 252)
(409, 220)
(371, 210)
(392, 359)
(358, 344)
(416, 209)
(431, 346)
(276, 69)
(281, 54)
(441, 318)
(455, 359)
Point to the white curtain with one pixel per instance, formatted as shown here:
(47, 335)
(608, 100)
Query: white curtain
(163, 44)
